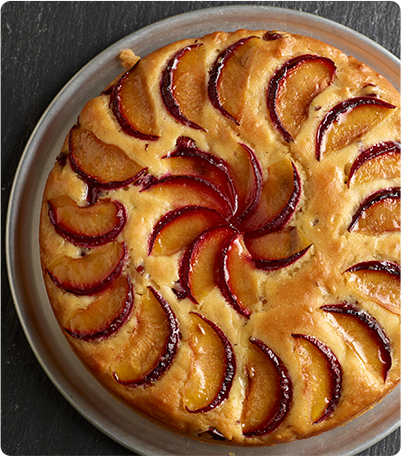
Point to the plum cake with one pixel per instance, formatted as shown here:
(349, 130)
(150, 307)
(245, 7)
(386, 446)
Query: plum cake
(220, 237)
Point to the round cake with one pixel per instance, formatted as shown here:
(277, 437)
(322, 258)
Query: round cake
(220, 237)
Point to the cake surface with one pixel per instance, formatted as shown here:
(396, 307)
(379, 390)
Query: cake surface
(220, 237)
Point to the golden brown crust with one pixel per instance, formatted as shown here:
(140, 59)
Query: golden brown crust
(290, 298)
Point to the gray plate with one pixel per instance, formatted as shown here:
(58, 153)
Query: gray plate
(22, 228)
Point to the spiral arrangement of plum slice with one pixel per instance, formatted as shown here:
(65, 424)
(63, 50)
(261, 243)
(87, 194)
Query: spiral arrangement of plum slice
(216, 232)
(377, 214)
(226, 222)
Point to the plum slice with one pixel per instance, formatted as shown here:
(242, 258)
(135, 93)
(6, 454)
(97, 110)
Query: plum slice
(378, 213)
(280, 195)
(236, 278)
(278, 249)
(247, 176)
(379, 281)
(132, 104)
(87, 226)
(349, 120)
(378, 161)
(293, 87)
(101, 165)
(152, 345)
(262, 395)
(178, 228)
(364, 328)
(213, 366)
(91, 273)
(182, 85)
(188, 160)
(269, 391)
(277, 245)
(272, 35)
(199, 267)
(189, 191)
(229, 75)
(104, 316)
(273, 265)
(324, 375)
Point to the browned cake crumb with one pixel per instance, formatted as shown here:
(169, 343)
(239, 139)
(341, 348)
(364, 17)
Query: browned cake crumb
(220, 237)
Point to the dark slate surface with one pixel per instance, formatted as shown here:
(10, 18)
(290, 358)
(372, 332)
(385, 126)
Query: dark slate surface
(43, 45)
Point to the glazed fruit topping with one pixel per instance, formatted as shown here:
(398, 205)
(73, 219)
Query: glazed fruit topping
(378, 213)
(133, 106)
(377, 280)
(213, 366)
(272, 36)
(177, 229)
(104, 316)
(247, 176)
(363, 328)
(181, 86)
(272, 265)
(266, 374)
(188, 160)
(100, 165)
(200, 265)
(280, 195)
(236, 278)
(380, 161)
(189, 191)
(323, 369)
(217, 211)
(87, 226)
(91, 273)
(227, 76)
(277, 249)
(146, 358)
(293, 87)
(347, 121)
